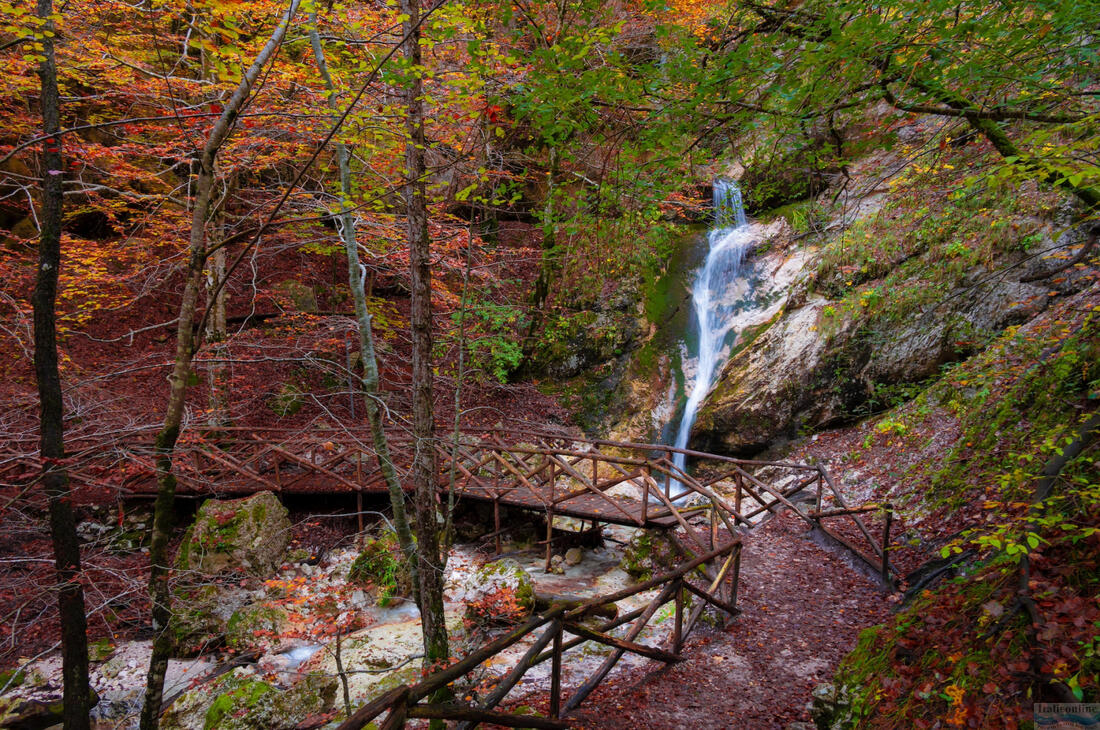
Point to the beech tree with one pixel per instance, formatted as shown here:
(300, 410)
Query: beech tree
(55, 480)
(188, 341)
(423, 473)
(1016, 74)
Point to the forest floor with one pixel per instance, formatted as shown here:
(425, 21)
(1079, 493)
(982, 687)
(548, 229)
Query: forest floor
(803, 608)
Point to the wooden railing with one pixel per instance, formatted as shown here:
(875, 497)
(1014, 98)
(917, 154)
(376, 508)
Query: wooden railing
(552, 473)
(555, 623)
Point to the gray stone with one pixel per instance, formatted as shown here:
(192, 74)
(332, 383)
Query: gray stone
(574, 556)
(233, 536)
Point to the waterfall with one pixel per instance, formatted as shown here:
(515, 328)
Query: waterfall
(713, 301)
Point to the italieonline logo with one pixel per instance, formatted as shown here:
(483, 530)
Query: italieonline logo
(1067, 716)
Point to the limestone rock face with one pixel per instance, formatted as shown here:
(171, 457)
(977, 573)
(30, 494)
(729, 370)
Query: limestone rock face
(236, 536)
(765, 390)
(815, 367)
(916, 349)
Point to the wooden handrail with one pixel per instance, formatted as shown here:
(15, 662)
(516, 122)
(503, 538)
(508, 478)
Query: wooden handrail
(404, 699)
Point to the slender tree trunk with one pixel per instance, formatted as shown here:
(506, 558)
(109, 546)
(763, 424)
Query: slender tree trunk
(217, 332)
(356, 277)
(424, 475)
(55, 478)
(187, 344)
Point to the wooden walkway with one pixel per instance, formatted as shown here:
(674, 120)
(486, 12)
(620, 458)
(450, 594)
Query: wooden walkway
(632, 484)
(701, 512)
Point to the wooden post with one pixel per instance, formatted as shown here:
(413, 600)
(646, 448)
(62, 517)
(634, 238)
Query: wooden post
(738, 495)
(735, 578)
(552, 481)
(549, 537)
(555, 673)
(820, 487)
(886, 545)
(359, 509)
(496, 524)
(678, 627)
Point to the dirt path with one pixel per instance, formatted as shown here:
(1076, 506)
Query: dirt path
(803, 610)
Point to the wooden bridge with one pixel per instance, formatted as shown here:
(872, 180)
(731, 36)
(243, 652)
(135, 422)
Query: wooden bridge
(560, 475)
(702, 511)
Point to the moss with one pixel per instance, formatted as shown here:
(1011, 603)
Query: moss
(246, 696)
(248, 626)
(288, 400)
(380, 566)
(11, 678)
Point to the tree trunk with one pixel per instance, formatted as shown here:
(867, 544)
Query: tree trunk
(356, 277)
(217, 332)
(187, 344)
(55, 478)
(429, 562)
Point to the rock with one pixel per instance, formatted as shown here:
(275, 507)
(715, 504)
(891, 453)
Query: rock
(386, 653)
(382, 568)
(201, 615)
(816, 368)
(557, 565)
(647, 553)
(501, 575)
(574, 556)
(832, 708)
(240, 700)
(99, 651)
(256, 626)
(770, 181)
(236, 536)
(17, 713)
(300, 295)
(917, 349)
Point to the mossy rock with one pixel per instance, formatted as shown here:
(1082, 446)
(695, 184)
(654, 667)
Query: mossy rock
(236, 536)
(772, 182)
(255, 626)
(303, 297)
(507, 575)
(832, 708)
(647, 553)
(381, 568)
(200, 617)
(288, 400)
(240, 700)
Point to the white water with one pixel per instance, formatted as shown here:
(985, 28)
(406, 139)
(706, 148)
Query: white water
(714, 300)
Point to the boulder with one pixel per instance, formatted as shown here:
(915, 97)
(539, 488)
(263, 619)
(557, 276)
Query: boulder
(776, 180)
(200, 616)
(381, 568)
(648, 553)
(499, 575)
(240, 700)
(255, 626)
(302, 296)
(382, 656)
(236, 536)
(832, 708)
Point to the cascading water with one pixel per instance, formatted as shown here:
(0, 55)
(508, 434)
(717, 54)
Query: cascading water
(713, 301)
